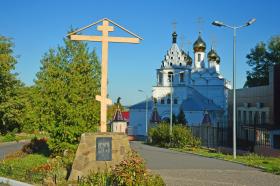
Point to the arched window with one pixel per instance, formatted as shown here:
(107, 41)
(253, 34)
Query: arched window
(175, 101)
(162, 101)
(182, 75)
(257, 118)
(170, 75)
(198, 57)
(263, 118)
(168, 101)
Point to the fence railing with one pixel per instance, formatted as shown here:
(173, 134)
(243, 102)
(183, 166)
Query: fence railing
(246, 138)
(211, 136)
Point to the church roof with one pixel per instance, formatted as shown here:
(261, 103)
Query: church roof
(118, 115)
(197, 102)
(142, 105)
(206, 119)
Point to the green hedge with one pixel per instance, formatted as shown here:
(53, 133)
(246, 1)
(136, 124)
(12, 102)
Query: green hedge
(181, 136)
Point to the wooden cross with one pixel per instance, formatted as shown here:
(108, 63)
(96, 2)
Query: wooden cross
(104, 39)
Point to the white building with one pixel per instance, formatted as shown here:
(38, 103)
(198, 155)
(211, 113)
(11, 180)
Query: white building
(197, 88)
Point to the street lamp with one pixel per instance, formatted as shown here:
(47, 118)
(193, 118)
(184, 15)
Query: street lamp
(171, 100)
(219, 24)
(146, 111)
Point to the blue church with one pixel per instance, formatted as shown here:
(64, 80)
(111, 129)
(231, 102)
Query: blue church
(192, 85)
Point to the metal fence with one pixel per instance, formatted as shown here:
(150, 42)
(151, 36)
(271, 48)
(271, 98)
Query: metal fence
(246, 138)
(211, 136)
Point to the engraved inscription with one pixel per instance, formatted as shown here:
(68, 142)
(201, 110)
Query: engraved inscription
(103, 149)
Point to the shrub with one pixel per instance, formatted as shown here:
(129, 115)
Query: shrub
(160, 135)
(130, 171)
(38, 146)
(180, 138)
(9, 137)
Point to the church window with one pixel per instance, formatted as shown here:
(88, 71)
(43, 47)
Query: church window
(162, 101)
(170, 64)
(170, 75)
(198, 57)
(171, 57)
(244, 117)
(263, 117)
(239, 117)
(250, 117)
(160, 78)
(256, 118)
(175, 101)
(182, 76)
(168, 101)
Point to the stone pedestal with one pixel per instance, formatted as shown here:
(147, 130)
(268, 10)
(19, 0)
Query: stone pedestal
(99, 151)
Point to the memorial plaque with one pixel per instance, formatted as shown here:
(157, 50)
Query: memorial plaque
(104, 149)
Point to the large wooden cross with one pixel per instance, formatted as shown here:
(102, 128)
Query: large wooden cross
(104, 39)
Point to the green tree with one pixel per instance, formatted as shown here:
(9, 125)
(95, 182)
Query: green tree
(11, 105)
(67, 84)
(260, 59)
(181, 119)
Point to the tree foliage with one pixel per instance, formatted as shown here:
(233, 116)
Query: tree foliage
(260, 59)
(181, 119)
(11, 105)
(67, 84)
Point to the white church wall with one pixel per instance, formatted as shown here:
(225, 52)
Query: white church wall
(137, 121)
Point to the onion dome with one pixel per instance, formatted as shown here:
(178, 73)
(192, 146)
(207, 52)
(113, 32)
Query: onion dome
(199, 45)
(174, 37)
(212, 55)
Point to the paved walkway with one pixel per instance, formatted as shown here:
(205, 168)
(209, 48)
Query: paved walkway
(9, 147)
(181, 169)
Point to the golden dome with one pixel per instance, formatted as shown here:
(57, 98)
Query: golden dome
(212, 55)
(199, 45)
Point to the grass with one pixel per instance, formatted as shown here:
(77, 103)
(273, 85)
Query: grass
(19, 136)
(20, 166)
(268, 164)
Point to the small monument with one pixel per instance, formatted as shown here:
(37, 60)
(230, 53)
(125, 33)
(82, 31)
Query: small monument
(99, 151)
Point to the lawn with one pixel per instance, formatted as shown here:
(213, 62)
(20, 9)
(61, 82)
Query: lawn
(21, 167)
(268, 164)
(19, 136)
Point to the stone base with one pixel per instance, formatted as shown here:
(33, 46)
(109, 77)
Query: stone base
(112, 148)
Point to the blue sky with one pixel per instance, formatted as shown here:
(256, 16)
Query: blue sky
(37, 25)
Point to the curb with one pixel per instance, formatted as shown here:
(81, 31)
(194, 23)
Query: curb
(14, 142)
(232, 161)
(13, 182)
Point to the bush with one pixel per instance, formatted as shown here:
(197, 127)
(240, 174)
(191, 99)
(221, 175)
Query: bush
(180, 138)
(38, 146)
(131, 171)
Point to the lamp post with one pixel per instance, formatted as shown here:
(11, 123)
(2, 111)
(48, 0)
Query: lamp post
(146, 131)
(219, 24)
(171, 100)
